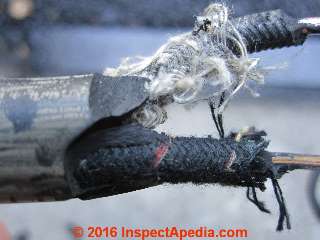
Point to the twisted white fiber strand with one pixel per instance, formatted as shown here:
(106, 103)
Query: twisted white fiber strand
(197, 67)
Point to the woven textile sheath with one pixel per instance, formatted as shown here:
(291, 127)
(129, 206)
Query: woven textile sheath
(41, 118)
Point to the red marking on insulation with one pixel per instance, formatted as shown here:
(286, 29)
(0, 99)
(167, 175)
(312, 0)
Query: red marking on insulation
(161, 151)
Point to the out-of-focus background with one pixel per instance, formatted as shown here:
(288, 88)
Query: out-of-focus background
(58, 37)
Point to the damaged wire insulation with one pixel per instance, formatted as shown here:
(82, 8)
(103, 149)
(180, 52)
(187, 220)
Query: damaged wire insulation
(132, 157)
(137, 153)
(106, 155)
(198, 65)
(213, 59)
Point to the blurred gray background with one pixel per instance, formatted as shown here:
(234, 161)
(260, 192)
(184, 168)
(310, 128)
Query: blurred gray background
(56, 37)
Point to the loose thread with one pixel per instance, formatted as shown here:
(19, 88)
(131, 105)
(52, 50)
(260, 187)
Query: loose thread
(283, 212)
(260, 205)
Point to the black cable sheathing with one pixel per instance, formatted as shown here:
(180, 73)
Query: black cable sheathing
(268, 30)
(132, 157)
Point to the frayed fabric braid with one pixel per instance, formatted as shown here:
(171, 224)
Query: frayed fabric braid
(132, 157)
(260, 205)
(198, 65)
(283, 212)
